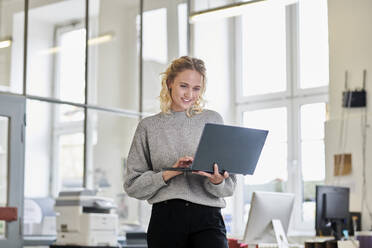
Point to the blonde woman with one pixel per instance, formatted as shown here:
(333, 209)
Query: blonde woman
(186, 207)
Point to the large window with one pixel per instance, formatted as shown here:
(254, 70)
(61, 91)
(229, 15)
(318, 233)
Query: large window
(82, 98)
(271, 173)
(283, 88)
(86, 83)
(264, 50)
(68, 120)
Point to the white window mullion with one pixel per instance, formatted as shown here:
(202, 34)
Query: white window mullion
(239, 63)
(295, 166)
(294, 170)
(292, 49)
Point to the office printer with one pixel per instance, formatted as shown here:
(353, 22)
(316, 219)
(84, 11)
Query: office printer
(85, 219)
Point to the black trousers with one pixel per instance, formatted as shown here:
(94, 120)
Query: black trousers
(178, 223)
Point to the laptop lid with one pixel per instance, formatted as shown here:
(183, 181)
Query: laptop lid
(235, 149)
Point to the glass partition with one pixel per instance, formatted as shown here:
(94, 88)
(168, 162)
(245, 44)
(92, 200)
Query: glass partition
(4, 141)
(11, 46)
(109, 140)
(164, 39)
(54, 148)
(56, 50)
(114, 54)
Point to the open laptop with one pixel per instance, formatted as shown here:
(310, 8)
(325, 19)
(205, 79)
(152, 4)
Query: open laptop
(235, 149)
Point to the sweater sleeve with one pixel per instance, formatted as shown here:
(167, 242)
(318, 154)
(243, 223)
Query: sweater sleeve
(224, 189)
(140, 181)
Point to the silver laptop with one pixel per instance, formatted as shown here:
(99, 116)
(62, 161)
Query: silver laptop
(235, 149)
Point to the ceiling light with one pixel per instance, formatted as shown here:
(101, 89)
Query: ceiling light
(100, 39)
(93, 41)
(232, 10)
(5, 43)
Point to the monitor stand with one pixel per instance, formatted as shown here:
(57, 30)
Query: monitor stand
(280, 236)
(336, 229)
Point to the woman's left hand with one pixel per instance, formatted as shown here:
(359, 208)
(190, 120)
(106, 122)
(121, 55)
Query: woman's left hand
(216, 177)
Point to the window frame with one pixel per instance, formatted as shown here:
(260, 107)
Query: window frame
(59, 127)
(293, 98)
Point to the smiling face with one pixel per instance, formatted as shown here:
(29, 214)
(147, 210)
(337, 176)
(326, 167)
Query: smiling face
(185, 90)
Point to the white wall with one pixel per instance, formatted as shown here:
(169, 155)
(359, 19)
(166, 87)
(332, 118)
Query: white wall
(350, 39)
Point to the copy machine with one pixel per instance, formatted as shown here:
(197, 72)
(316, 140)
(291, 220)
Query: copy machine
(85, 219)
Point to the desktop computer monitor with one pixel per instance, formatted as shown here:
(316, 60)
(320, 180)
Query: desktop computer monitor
(332, 210)
(265, 207)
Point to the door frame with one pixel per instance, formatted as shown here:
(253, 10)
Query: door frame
(14, 107)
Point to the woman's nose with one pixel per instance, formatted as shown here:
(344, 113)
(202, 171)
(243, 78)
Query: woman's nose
(188, 93)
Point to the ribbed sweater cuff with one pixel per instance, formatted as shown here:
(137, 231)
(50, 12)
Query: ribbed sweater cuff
(157, 179)
(215, 188)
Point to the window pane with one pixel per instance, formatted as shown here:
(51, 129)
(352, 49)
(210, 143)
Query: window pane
(68, 113)
(313, 117)
(313, 43)
(272, 119)
(155, 52)
(109, 140)
(70, 80)
(56, 50)
(312, 141)
(54, 150)
(271, 170)
(4, 141)
(264, 50)
(11, 46)
(313, 160)
(113, 54)
(71, 160)
(182, 29)
(212, 44)
(155, 35)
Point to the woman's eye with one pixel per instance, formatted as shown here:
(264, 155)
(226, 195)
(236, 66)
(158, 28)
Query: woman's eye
(183, 86)
(197, 89)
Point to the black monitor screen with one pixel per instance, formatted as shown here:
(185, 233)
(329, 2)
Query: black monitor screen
(336, 205)
(332, 205)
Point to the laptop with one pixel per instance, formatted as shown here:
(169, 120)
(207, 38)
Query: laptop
(235, 149)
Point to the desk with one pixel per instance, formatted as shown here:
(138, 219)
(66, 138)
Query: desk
(50, 240)
(333, 244)
(73, 246)
(236, 243)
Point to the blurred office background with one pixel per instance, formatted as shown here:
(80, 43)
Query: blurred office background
(90, 69)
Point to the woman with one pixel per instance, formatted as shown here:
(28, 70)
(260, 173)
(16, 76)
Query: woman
(186, 209)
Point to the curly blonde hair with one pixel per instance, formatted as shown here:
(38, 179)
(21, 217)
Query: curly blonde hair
(177, 66)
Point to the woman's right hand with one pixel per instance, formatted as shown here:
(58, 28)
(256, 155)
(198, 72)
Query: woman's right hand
(182, 162)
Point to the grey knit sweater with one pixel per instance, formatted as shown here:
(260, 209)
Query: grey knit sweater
(159, 141)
